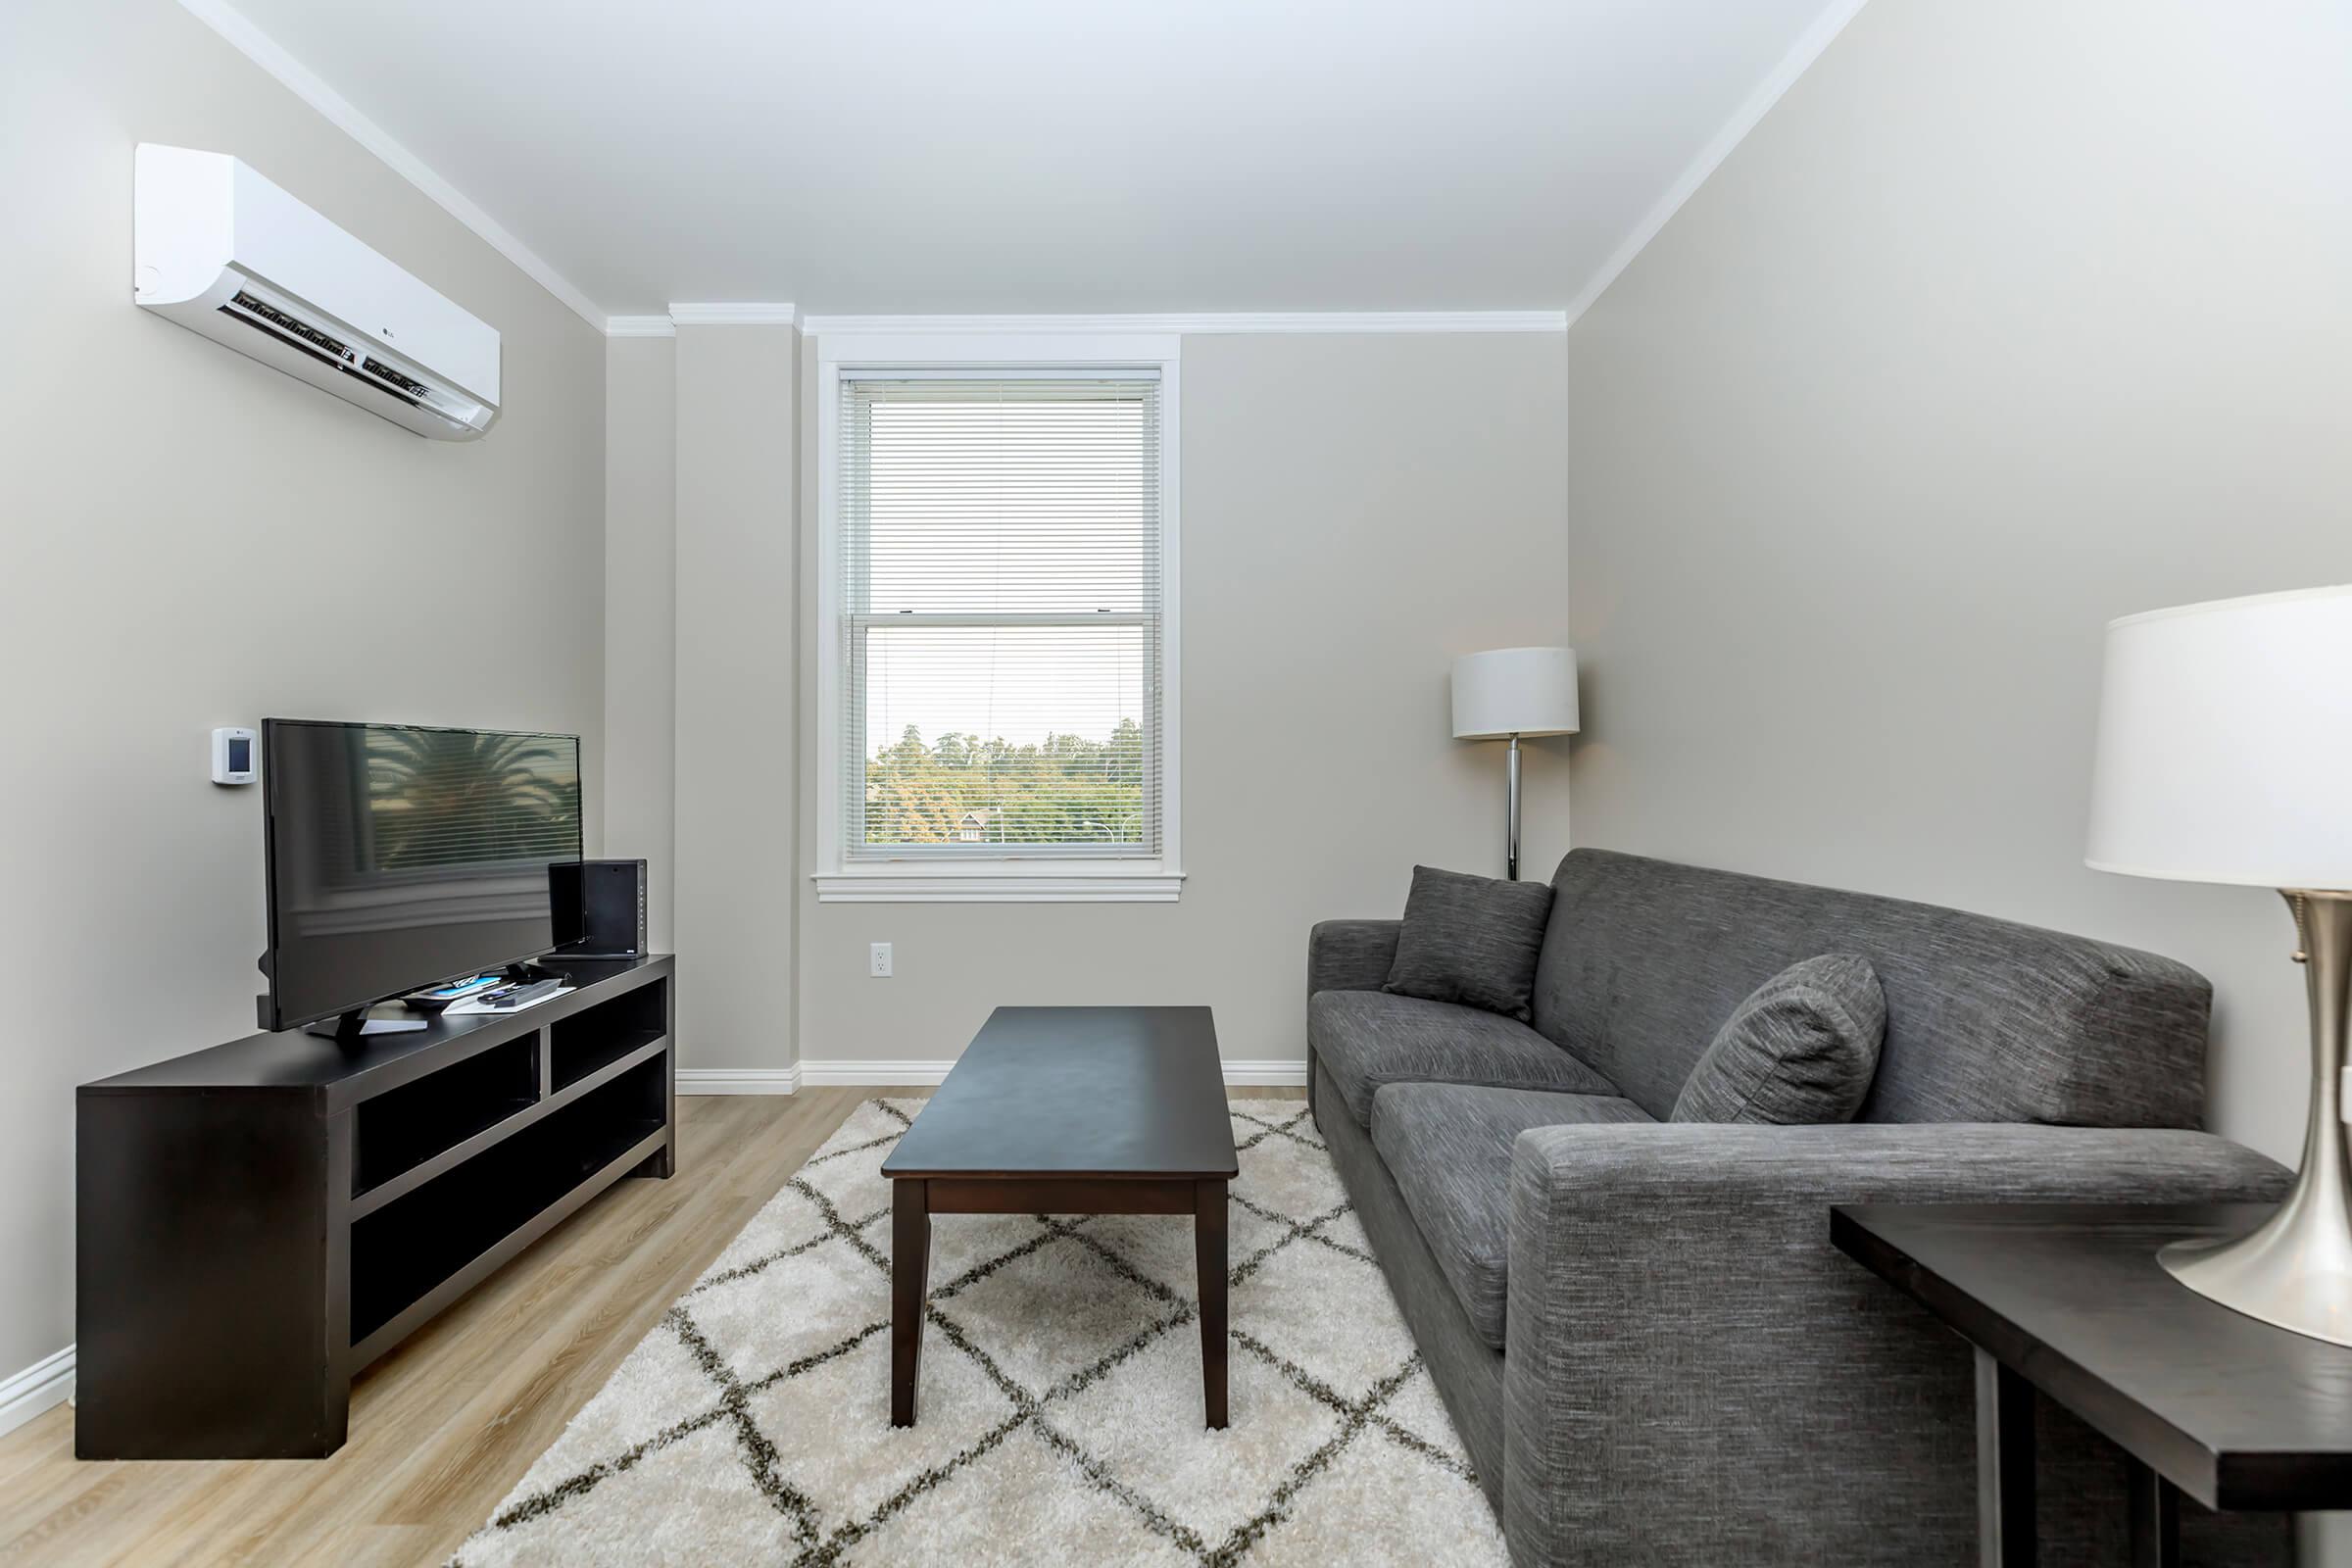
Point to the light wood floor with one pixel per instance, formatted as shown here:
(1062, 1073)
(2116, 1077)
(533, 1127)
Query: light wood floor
(443, 1427)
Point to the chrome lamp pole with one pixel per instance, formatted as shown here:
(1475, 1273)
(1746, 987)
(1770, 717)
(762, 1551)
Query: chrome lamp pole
(1510, 841)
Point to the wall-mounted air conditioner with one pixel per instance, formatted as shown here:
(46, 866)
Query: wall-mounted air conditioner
(223, 251)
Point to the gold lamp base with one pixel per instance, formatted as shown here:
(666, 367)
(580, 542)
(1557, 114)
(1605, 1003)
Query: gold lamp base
(2294, 1270)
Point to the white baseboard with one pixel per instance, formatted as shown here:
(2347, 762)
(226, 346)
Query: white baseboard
(881, 1073)
(47, 1381)
(738, 1080)
(904, 1070)
(1277, 1073)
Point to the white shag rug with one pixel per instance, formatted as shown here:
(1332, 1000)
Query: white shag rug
(1058, 1411)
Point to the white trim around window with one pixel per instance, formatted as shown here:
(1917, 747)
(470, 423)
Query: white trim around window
(1043, 878)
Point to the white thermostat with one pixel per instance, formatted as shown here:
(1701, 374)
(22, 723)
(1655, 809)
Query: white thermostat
(233, 756)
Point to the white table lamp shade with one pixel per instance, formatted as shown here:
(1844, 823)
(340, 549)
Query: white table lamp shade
(1515, 691)
(2225, 743)
(2225, 755)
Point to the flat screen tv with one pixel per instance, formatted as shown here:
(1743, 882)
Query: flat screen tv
(401, 857)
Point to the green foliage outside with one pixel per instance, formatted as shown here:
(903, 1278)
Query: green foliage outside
(964, 790)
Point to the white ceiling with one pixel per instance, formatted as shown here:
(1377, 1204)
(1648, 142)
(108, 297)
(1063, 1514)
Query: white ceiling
(1060, 156)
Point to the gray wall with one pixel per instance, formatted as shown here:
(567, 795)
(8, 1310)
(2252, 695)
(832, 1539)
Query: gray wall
(2012, 317)
(735, 729)
(641, 616)
(1356, 511)
(194, 539)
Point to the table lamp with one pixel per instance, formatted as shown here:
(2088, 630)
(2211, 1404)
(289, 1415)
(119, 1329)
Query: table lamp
(2225, 755)
(1514, 692)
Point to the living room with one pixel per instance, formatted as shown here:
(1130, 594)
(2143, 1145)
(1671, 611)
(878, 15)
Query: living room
(1267, 784)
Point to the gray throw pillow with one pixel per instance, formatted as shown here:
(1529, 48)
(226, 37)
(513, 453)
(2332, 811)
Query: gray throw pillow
(1801, 1050)
(1471, 940)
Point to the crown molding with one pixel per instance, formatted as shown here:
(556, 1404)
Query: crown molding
(1799, 59)
(781, 314)
(1205, 322)
(306, 84)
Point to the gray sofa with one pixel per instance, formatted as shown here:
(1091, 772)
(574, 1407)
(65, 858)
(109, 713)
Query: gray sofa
(1643, 1333)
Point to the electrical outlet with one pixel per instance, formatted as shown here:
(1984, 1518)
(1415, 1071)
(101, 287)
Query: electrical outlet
(877, 960)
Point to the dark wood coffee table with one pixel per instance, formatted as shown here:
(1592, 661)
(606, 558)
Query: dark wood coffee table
(1068, 1111)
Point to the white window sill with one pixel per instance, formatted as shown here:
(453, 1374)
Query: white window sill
(998, 883)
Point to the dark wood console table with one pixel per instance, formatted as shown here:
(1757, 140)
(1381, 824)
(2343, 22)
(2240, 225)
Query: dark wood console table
(2070, 1300)
(257, 1222)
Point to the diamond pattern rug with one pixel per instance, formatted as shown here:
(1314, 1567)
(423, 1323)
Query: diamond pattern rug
(1058, 1413)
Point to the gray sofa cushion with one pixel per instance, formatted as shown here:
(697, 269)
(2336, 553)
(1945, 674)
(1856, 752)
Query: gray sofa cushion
(1985, 1020)
(1366, 1039)
(1471, 940)
(1448, 1150)
(1801, 1050)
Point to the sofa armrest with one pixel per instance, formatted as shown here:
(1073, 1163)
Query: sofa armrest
(1694, 1373)
(1350, 954)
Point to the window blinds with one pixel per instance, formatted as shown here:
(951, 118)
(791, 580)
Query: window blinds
(1002, 614)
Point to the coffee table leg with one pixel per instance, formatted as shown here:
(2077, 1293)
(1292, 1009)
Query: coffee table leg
(1209, 1251)
(909, 1281)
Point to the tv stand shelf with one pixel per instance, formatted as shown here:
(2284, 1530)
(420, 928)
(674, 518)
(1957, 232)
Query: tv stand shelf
(258, 1223)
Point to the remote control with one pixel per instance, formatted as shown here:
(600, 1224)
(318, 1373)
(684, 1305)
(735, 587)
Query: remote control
(525, 994)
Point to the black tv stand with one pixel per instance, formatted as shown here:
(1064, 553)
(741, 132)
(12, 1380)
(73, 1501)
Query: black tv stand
(360, 1024)
(256, 1223)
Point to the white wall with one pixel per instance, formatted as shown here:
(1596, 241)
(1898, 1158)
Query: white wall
(737, 773)
(194, 539)
(1356, 511)
(2012, 318)
(641, 620)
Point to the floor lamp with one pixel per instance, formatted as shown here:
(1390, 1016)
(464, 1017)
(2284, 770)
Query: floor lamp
(1514, 692)
(2225, 744)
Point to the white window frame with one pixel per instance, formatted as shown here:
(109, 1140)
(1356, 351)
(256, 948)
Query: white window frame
(1013, 878)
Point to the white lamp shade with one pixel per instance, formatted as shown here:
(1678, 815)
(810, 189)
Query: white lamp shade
(1515, 691)
(2224, 750)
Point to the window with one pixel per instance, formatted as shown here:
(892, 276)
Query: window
(999, 630)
